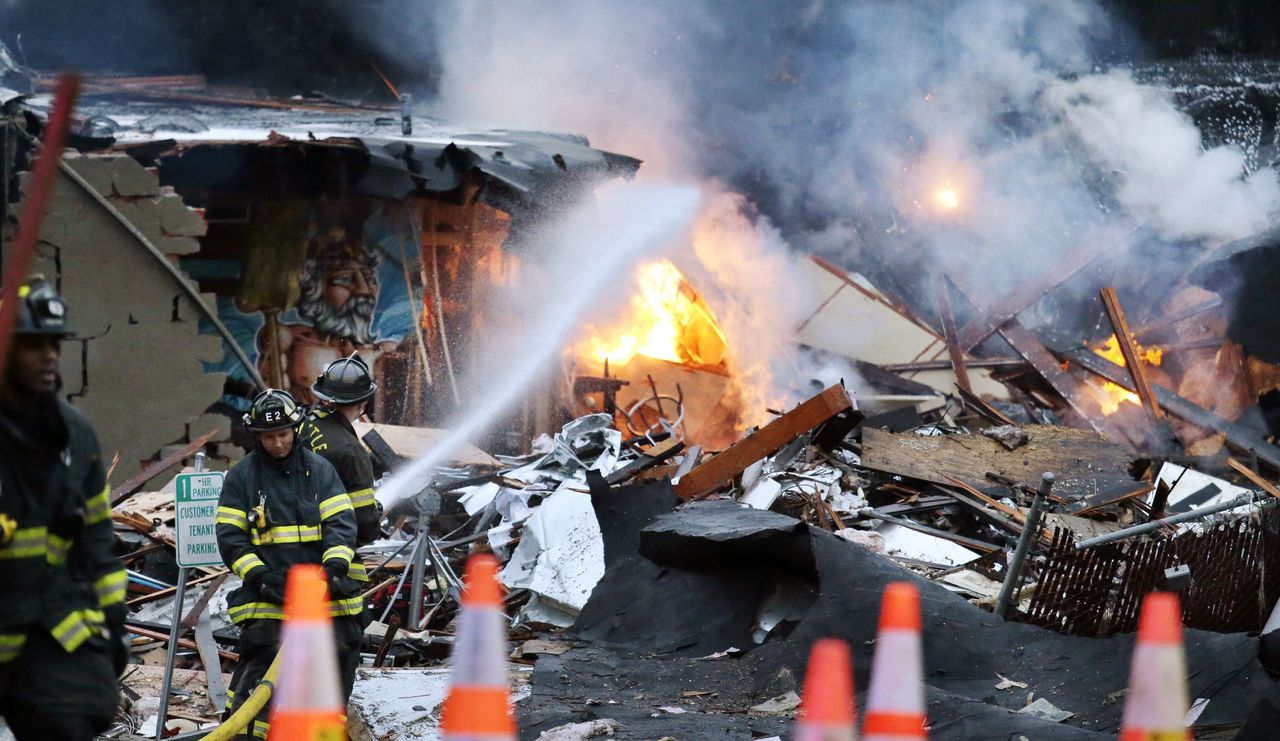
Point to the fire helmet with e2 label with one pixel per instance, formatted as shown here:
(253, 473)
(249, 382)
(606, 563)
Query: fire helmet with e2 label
(273, 409)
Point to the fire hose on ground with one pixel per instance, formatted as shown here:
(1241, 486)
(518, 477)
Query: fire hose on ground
(253, 704)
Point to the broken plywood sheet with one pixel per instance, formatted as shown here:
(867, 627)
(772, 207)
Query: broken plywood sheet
(907, 543)
(1083, 527)
(405, 703)
(1189, 489)
(415, 442)
(857, 322)
(1083, 462)
(560, 557)
(159, 504)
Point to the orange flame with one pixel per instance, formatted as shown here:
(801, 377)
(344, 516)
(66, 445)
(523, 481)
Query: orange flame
(1114, 393)
(947, 197)
(668, 320)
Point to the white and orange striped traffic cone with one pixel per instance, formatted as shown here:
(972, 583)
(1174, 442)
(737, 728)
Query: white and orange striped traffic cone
(478, 707)
(307, 702)
(1156, 709)
(826, 708)
(895, 699)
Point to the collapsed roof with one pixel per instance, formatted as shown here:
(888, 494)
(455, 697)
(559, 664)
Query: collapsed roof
(399, 151)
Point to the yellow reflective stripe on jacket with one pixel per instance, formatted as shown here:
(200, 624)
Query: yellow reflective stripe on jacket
(234, 517)
(335, 505)
(271, 611)
(246, 563)
(111, 588)
(338, 552)
(11, 645)
(260, 728)
(255, 611)
(344, 607)
(357, 571)
(57, 550)
(28, 542)
(287, 534)
(76, 628)
(362, 498)
(98, 508)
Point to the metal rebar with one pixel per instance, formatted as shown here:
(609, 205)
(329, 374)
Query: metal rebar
(1030, 532)
(1194, 514)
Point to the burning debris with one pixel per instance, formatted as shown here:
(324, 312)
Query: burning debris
(1007, 339)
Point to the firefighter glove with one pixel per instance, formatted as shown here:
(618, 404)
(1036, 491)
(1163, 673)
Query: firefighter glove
(272, 587)
(336, 568)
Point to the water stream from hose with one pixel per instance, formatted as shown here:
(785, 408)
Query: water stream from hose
(580, 259)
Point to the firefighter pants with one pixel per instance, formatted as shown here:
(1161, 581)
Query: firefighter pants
(48, 694)
(259, 642)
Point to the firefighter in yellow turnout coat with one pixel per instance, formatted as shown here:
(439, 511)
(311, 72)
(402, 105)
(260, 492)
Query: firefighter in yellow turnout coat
(61, 587)
(283, 505)
(344, 388)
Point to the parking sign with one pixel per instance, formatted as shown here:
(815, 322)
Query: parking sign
(197, 507)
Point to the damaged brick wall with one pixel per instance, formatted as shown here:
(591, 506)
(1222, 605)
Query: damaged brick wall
(135, 365)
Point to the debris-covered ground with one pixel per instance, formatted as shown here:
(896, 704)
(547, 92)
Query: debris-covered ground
(667, 593)
(1047, 287)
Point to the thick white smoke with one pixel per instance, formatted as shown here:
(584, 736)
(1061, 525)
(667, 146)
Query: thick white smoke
(1162, 175)
(980, 138)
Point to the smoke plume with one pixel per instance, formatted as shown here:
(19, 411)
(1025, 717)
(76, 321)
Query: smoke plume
(987, 139)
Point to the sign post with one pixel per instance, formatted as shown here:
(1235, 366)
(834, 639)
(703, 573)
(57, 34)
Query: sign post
(197, 509)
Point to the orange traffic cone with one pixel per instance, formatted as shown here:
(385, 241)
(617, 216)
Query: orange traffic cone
(895, 700)
(478, 707)
(1156, 709)
(307, 702)
(826, 709)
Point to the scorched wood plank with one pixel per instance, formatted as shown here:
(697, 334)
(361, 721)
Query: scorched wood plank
(1084, 462)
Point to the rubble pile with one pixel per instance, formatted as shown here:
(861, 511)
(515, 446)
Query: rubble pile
(664, 591)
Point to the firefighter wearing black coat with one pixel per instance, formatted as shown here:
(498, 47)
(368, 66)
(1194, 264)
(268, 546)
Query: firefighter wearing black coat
(61, 588)
(344, 388)
(283, 505)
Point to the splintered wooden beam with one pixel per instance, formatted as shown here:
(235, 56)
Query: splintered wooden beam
(1072, 389)
(1133, 363)
(1253, 476)
(127, 489)
(949, 334)
(1239, 437)
(155, 635)
(721, 469)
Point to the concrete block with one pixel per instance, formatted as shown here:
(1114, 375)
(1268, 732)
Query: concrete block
(218, 424)
(99, 171)
(178, 245)
(177, 220)
(131, 180)
(143, 215)
(139, 407)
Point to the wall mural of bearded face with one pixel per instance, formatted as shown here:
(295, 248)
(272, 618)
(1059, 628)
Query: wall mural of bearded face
(340, 291)
(334, 315)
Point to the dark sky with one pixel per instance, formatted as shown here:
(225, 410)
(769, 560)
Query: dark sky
(292, 46)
